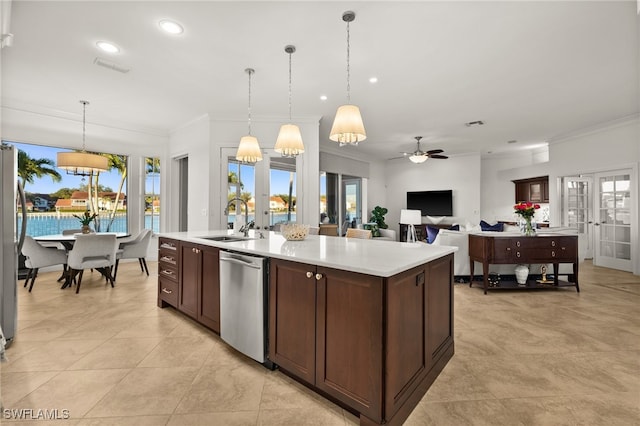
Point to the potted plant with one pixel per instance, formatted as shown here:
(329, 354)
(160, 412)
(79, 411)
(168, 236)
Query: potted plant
(377, 217)
(86, 220)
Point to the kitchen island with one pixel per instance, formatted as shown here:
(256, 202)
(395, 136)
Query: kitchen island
(365, 323)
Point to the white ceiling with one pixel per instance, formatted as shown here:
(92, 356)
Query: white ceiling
(530, 70)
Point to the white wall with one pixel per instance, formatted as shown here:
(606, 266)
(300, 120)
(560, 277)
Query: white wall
(202, 140)
(459, 173)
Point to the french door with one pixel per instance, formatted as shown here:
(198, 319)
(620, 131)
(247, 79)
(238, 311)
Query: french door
(267, 189)
(578, 210)
(613, 222)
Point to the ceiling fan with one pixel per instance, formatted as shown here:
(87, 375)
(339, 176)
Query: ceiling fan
(419, 156)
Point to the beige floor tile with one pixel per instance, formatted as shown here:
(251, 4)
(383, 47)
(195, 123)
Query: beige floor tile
(236, 418)
(125, 421)
(149, 327)
(117, 353)
(15, 386)
(75, 391)
(457, 382)
(460, 413)
(54, 355)
(300, 417)
(235, 388)
(146, 391)
(281, 392)
(186, 351)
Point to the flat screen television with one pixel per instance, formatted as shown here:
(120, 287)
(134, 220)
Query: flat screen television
(432, 203)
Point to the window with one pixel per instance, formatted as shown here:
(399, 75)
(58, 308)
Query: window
(152, 194)
(53, 197)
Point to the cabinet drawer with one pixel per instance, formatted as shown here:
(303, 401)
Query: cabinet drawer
(168, 291)
(502, 250)
(167, 244)
(167, 271)
(168, 258)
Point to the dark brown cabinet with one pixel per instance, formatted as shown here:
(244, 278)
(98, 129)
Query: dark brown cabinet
(373, 343)
(188, 279)
(554, 249)
(535, 190)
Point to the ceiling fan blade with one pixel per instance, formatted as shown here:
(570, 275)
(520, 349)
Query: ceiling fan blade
(434, 151)
(442, 157)
(396, 158)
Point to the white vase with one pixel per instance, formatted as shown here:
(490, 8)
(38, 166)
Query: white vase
(522, 273)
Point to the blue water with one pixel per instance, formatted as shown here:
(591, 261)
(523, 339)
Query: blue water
(51, 223)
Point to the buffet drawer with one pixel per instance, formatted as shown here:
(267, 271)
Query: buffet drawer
(168, 291)
(168, 258)
(168, 244)
(167, 271)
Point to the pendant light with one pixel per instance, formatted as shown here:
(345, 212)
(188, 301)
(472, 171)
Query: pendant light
(348, 128)
(249, 149)
(82, 163)
(289, 143)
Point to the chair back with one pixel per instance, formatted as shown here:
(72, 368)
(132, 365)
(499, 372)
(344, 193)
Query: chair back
(358, 233)
(93, 251)
(71, 231)
(138, 247)
(38, 256)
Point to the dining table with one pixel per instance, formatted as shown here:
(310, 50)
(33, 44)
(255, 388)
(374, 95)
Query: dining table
(67, 241)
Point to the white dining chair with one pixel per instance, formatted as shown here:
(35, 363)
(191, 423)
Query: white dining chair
(92, 251)
(134, 249)
(38, 256)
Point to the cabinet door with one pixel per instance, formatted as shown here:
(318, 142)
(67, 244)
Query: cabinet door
(191, 267)
(209, 301)
(292, 318)
(535, 192)
(522, 192)
(439, 307)
(349, 339)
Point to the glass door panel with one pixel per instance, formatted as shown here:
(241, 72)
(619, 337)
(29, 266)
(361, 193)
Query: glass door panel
(282, 197)
(241, 183)
(577, 210)
(613, 240)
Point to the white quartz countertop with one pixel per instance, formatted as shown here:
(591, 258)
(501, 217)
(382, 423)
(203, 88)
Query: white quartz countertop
(379, 258)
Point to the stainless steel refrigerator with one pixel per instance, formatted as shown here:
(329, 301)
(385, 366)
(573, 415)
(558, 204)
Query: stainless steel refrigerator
(12, 237)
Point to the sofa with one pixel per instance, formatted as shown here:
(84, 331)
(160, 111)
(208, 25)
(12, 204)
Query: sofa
(460, 239)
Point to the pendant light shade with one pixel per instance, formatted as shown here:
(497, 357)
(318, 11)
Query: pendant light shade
(348, 127)
(418, 158)
(289, 142)
(249, 149)
(82, 163)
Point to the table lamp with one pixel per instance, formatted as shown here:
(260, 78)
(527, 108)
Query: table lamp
(411, 218)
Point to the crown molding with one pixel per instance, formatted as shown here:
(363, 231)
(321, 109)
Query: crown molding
(596, 128)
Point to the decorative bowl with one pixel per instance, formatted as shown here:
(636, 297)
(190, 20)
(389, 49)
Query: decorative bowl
(294, 232)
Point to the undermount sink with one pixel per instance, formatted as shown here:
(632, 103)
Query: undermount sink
(225, 238)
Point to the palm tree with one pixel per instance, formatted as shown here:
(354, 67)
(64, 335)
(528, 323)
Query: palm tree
(118, 162)
(30, 168)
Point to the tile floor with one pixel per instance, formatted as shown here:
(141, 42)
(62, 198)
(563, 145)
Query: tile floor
(111, 357)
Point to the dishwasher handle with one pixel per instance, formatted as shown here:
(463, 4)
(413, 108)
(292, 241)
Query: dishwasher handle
(240, 262)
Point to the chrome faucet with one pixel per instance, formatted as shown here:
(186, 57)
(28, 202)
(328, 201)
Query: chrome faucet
(244, 228)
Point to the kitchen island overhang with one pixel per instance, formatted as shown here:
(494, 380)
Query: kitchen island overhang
(368, 324)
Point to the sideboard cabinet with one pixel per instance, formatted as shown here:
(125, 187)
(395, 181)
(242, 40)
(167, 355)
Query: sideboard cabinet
(510, 249)
(535, 189)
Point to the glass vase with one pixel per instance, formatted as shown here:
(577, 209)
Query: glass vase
(527, 227)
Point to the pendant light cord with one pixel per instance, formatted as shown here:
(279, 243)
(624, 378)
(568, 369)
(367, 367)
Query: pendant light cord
(249, 71)
(84, 121)
(348, 68)
(289, 87)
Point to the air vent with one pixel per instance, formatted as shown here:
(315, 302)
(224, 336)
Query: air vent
(111, 65)
(474, 123)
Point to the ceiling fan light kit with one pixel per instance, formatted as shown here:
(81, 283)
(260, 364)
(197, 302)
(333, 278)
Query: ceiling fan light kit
(348, 127)
(419, 156)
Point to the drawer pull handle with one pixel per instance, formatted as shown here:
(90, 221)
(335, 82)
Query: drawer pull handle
(168, 246)
(309, 274)
(167, 259)
(553, 253)
(518, 254)
(508, 248)
(318, 277)
(518, 243)
(164, 290)
(553, 243)
(164, 271)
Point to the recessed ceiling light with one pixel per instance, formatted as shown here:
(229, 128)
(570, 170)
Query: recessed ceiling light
(323, 97)
(107, 47)
(373, 80)
(171, 27)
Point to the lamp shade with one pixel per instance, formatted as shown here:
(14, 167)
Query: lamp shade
(249, 150)
(348, 127)
(418, 158)
(410, 217)
(82, 163)
(289, 142)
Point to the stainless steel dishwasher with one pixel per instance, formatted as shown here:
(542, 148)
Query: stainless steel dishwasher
(243, 304)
